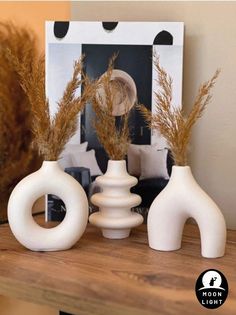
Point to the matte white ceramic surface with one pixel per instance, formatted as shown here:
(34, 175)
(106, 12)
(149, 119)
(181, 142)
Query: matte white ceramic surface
(181, 199)
(49, 179)
(115, 202)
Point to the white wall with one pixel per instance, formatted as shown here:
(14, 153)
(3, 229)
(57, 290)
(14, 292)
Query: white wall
(210, 42)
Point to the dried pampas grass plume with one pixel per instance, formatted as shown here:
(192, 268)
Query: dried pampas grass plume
(112, 132)
(170, 121)
(52, 134)
(17, 157)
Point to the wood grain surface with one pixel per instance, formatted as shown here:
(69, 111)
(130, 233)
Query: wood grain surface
(114, 277)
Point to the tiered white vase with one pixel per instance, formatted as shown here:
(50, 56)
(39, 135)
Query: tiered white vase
(115, 217)
(49, 179)
(181, 199)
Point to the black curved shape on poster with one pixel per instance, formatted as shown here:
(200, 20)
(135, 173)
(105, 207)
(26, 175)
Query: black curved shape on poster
(109, 26)
(163, 38)
(61, 28)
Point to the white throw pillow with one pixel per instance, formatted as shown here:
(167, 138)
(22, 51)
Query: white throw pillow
(153, 163)
(65, 161)
(87, 159)
(73, 148)
(133, 154)
(65, 158)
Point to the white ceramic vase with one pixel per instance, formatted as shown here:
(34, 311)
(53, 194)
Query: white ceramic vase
(115, 217)
(49, 179)
(181, 199)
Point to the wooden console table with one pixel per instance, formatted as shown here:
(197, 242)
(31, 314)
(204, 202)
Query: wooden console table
(119, 277)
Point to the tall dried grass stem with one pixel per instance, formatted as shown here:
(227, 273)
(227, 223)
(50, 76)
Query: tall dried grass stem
(171, 122)
(112, 132)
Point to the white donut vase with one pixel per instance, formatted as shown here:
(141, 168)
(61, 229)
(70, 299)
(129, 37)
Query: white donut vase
(49, 179)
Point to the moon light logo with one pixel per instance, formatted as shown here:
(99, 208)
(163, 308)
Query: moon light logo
(211, 288)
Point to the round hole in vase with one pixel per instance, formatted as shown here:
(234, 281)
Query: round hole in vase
(48, 179)
(48, 203)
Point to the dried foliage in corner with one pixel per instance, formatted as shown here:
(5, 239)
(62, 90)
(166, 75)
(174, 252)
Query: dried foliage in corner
(52, 134)
(170, 121)
(112, 132)
(17, 157)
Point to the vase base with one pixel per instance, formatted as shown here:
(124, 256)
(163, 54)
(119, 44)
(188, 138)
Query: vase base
(164, 249)
(53, 249)
(115, 234)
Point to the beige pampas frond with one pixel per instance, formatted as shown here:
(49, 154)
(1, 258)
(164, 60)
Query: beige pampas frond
(170, 121)
(17, 157)
(113, 136)
(52, 134)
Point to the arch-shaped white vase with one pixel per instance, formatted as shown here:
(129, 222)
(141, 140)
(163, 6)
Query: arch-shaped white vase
(181, 199)
(115, 217)
(49, 179)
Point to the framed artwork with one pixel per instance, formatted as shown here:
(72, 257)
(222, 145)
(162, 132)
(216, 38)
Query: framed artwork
(135, 44)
